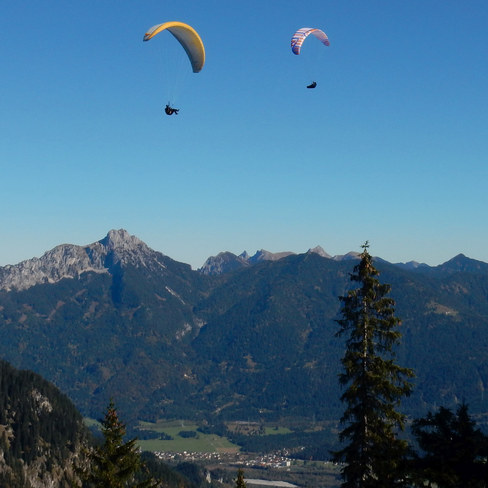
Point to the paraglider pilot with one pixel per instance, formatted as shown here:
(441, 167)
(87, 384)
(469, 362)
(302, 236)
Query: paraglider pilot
(170, 110)
(312, 85)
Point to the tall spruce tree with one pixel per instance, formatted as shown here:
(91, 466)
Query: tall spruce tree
(115, 463)
(373, 455)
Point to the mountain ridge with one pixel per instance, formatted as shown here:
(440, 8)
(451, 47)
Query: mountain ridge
(119, 247)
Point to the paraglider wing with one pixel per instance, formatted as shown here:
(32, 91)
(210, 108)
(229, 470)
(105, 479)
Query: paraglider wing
(301, 34)
(187, 37)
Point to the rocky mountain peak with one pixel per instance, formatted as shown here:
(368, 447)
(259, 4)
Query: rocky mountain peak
(223, 263)
(69, 261)
(461, 263)
(121, 240)
(125, 248)
(320, 251)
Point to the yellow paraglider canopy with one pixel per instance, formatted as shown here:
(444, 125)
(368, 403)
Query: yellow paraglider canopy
(187, 37)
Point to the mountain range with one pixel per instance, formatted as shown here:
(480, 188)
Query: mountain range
(241, 338)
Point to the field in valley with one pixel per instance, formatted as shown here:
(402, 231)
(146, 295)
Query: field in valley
(184, 437)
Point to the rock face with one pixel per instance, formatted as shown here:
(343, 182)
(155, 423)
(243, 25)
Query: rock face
(223, 263)
(69, 261)
(320, 251)
(227, 261)
(264, 255)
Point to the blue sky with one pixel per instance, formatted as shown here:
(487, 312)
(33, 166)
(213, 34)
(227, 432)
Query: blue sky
(391, 146)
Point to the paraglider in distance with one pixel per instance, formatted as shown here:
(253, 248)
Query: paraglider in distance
(187, 37)
(299, 37)
(191, 42)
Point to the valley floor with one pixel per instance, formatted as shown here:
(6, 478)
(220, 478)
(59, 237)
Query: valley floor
(266, 468)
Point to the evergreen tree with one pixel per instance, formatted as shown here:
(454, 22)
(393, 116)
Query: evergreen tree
(454, 451)
(240, 483)
(115, 463)
(373, 455)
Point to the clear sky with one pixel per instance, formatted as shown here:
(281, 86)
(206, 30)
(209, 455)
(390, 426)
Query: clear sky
(391, 146)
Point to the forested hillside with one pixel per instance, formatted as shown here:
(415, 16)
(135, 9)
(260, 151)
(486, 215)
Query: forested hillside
(41, 432)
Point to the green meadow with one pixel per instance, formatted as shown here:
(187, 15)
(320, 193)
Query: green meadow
(199, 443)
